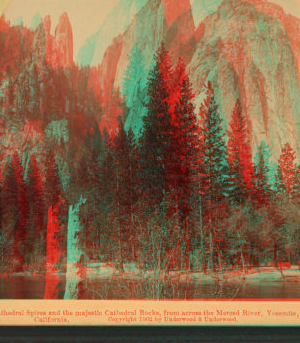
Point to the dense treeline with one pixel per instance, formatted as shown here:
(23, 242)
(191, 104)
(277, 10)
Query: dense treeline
(45, 112)
(180, 193)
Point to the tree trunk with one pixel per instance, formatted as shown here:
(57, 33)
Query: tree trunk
(275, 253)
(76, 258)
(54, 286)
(178, 229)
(211, 264)
(242, 257)
(201, 232)
(187, 249)
(220, 261)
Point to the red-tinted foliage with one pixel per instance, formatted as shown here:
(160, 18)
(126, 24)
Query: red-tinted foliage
(239, 153)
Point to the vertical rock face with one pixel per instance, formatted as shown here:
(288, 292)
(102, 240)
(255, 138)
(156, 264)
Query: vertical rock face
(64, 40)
(290, 24)
(115, 24)
(106, 78)
(59, 46)
(39, 44)
(202, 8)
(248, 49)
(47, 24)
(247, 55)
(54, 286)
(76, 270)
(180, 39)
(147, 37)
(174, 9)
(147, 30)
(49, 39)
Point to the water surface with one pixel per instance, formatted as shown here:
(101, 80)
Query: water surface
(33, 287)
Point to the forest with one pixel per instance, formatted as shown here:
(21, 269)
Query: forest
(185, 192)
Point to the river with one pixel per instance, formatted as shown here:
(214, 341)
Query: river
(33, 287)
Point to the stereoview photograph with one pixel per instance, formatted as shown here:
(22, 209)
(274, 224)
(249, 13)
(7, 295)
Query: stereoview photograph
(150, 149)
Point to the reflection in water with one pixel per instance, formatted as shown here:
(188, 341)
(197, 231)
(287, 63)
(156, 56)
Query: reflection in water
(54, 287)
(270, 290)
(26, 287)
(21, 287)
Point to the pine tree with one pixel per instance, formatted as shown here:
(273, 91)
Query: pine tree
(10, 207)
(126, 173)
(108, 177)
(155, 144)
(297, 183)
(214, 150)
(22, 224)
(215, 181)
(16, 208)
(287, 167)
(185, 152)
(134, 79)
(239, 156)
(37, 228)
(120, 152)
(279, 184)
(107, 186)
(93, 163)
(262, 190)
(90, 186)
(134, 90)
(132, 169)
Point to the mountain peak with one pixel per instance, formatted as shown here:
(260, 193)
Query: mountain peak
(64, 16)
(63, 23)
(47, 24)
(64, 39)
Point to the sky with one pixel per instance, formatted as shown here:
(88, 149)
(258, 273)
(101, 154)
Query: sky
(85, 16)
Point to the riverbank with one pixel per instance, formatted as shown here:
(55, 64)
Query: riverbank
(252, 275)
(106, 282)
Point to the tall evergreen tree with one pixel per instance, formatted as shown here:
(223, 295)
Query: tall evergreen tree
(262, 191)
(288, 170)
(92, 184)
(134, 90)
(215, 181)
(214, 150)
(134, 79)
(16, 208)
(36, 235)
(21, 227)
(107, 187)
(185, 152)
(126, 192)
(279, 184)
(239, 155)
(10, 209)
(155, 146)
(297, 183)
(131, 195)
